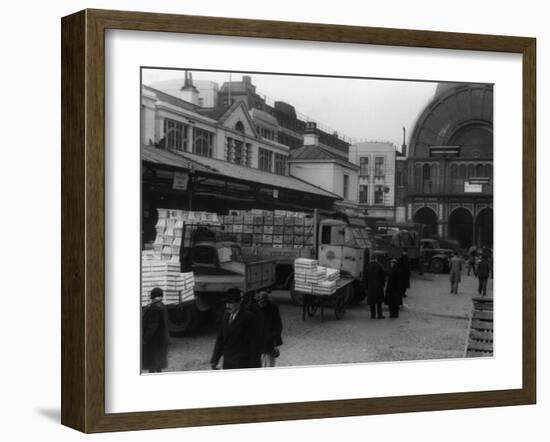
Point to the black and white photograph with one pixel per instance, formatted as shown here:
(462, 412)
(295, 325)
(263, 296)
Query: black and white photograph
(303, 220)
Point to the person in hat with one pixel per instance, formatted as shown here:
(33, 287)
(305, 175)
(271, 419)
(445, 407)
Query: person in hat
(404, 265)
(483, 273)
(376, 278)
(236, 340)
(269, 328)
(155, 335)
(394, 288)
(455, 272)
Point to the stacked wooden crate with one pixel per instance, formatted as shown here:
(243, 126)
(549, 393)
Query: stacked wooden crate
(480, 332)
(177, 286)
(278, 229)
(309, 277)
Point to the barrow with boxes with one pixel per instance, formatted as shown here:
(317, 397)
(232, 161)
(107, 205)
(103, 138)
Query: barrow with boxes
(321, 287)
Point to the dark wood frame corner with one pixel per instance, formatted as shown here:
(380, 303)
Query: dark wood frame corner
(83, 217)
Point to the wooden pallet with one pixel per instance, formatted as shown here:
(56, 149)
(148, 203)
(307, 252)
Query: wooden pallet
(479, 342)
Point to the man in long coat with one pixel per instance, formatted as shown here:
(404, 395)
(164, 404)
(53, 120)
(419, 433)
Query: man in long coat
(375, 288)
(394, 288)
(236, 340)
(404, 266)
(455, 272)
(483, 272)
(155, 334)
(269, 328)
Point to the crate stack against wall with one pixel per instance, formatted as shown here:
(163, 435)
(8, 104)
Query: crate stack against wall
(161, 266)
(278, 229)
(309, 277)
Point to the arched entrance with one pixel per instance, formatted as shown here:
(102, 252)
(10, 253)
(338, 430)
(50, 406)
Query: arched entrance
(484, 228)
(427, 216)
(461, 226)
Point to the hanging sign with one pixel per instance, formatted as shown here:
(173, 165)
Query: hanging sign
(181, 181)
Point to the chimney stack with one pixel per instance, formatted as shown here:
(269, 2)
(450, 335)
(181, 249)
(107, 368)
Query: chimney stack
(188, 91)
(311, 137)
(404, 145)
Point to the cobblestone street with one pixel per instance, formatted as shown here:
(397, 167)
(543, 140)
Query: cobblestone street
(433, 325)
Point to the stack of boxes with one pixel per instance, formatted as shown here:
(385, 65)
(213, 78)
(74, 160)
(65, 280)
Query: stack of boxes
(265, 228)
(161, 267)
(177, 287)
(309, 277)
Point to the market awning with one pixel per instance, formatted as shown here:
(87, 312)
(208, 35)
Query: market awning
(211, 166)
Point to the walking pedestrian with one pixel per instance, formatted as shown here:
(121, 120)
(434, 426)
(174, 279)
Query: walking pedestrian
(269, 328)
(375, 288)
(472, 255)
(483, 272)
(404, 266)
(236, 337)
(394, 288)
(455, 272)
(155, 335)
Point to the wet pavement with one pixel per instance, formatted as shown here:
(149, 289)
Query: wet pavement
(432, 325)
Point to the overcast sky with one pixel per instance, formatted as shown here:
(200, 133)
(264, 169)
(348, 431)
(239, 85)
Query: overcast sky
(362, 109)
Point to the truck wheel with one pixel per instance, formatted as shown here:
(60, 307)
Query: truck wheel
(437, 266)
(182, 320)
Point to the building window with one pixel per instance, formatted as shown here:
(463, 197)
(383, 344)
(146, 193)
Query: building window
(378, 194)
(203, 142)
(379, 167)
(454, 171)
(201, 101)
(346, 187)
(364, 194)
(175, 135)
(462, 171)
(280, 164)
(470, 170)
(237, 152)
(239, 126)
(364, 165)
(265, 160)
(479, 170)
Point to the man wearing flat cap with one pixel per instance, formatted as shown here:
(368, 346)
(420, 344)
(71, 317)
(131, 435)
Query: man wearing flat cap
(155, 335)
(236, 337)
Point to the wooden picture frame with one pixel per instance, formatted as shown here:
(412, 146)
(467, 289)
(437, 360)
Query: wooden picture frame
(83, 220)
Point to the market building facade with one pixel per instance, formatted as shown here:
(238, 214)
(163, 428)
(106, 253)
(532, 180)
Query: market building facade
(450, 165)
(214, 159)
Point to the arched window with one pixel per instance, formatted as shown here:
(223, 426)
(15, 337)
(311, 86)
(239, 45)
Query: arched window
(470, 170)
(479, 170)
(239, 126)
(454, 171)
(462, 171)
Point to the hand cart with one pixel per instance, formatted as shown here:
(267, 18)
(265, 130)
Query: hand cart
(337, 301)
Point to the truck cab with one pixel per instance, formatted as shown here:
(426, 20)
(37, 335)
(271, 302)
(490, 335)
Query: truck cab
(344, 247)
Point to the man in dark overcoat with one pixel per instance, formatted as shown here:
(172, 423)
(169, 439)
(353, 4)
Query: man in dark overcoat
(483, 272)
(236, 340)
(269, 328)
(394, 288)
(404, 266)
(155, 335)
(375, 288)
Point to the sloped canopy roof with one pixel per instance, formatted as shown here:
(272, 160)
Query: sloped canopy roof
(211, 166)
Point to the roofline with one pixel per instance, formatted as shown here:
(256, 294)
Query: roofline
(220, 175)
(334, 160)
